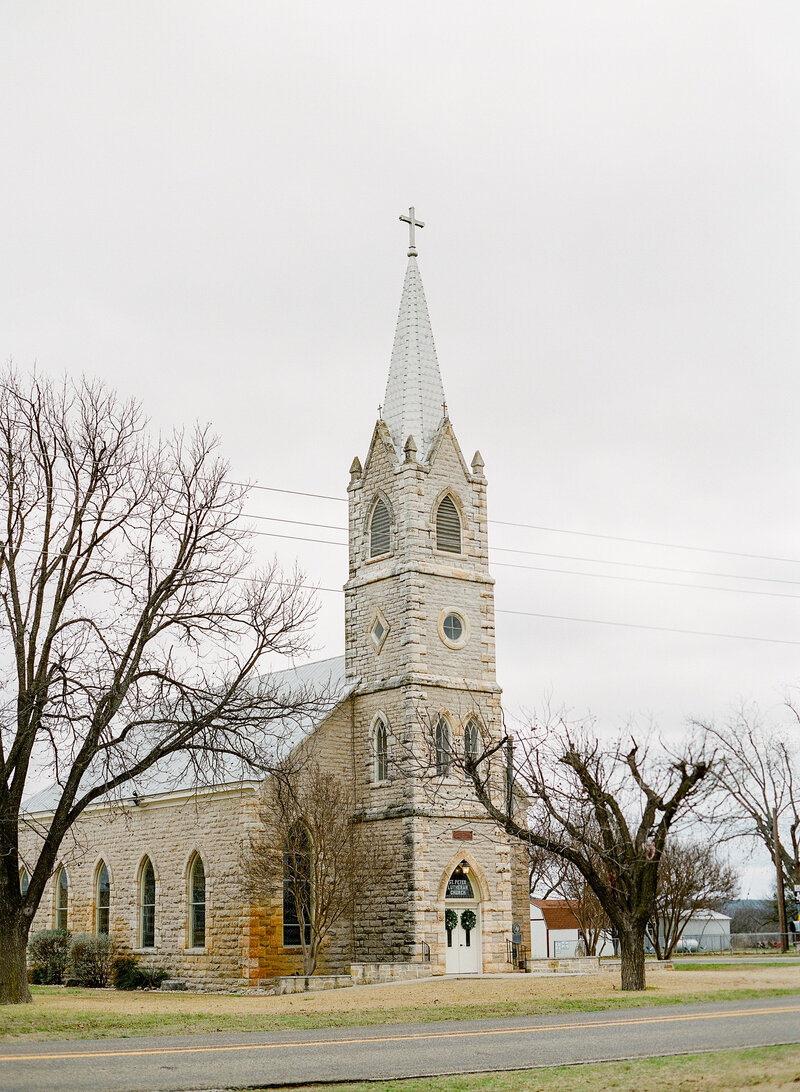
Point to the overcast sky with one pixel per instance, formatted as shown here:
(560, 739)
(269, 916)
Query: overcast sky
(199, 203)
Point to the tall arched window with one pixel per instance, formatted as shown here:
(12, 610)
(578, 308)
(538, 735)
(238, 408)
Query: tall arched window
(380, 537)
(102, 900)
(296, 886)
(62, 899)
(381, 742)
(471, 740)
(24, 881)
(197, 903)
(448, 527)
(147, 905)
(443, 755)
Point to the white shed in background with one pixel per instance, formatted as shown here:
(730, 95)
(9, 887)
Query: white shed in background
(554, 930)
(705, 931)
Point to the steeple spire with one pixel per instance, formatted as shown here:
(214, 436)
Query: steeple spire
(414, 396)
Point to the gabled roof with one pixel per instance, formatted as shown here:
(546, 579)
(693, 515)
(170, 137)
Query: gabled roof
(178, 773)
(557, 913)
(413, 403)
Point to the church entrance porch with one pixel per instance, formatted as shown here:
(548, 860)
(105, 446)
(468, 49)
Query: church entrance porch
(462, 919)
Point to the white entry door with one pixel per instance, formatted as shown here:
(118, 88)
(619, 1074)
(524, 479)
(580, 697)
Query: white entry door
(464, 946)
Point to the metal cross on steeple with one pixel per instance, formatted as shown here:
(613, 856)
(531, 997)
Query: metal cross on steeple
(412, 222)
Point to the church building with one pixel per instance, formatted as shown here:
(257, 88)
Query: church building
(162, 869)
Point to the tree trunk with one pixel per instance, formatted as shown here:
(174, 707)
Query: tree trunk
(14, 989)
(632, 945)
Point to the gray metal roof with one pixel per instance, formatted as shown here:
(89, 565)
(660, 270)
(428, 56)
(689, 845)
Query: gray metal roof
(412, 405)
(179, 772)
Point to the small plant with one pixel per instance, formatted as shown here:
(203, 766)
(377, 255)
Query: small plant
(90, 959)
(124, 971)
(151, 976)
(127, 973)
(48, 956)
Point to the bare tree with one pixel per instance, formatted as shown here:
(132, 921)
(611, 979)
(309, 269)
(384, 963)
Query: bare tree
(545, 872)
(133, 626)
(758, 777)
(310, 851)
(604, 808)
(593, 921)
(691, 877)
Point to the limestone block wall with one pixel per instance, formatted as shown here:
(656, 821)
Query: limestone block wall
(169, 830)
(416, 582)
(436, 854)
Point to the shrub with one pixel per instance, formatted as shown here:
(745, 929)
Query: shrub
(151, 976)
(90, 959)
(127, 973)
(48, 956)
(124, 971)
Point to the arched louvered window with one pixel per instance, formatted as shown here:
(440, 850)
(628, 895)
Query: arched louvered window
(380, 539)
(381, 751)
(448, 527)
(62, 899)
(471, 740)
(147, 905)
(102, 900)
(197, 903)
(443, 755)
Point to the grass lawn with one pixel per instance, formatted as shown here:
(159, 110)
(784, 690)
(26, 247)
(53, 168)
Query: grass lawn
(728, 966)
(768, 1068)
(58, 1013)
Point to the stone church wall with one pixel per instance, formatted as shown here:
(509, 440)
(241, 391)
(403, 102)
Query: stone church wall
(169, 831)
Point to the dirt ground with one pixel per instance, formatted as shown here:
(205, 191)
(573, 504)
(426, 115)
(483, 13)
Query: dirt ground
(437, 991)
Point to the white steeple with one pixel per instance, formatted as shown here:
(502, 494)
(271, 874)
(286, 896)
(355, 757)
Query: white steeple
(414, 400)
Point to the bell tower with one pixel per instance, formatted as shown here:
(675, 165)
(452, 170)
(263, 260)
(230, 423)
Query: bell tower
(418, 529)
(420, 645)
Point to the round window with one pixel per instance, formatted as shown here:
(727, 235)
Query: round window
(453, 628)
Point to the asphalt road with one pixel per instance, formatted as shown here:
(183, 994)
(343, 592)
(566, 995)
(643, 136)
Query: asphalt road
(202, 1062)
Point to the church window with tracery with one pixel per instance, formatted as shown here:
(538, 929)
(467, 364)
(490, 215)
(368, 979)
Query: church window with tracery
(62, 899)
(448, 527)
(296, 887)
(197, 903)
(443, 745)
(147, 905)
(380, 532)
(102, 900)
(471, 740)
(381, 750)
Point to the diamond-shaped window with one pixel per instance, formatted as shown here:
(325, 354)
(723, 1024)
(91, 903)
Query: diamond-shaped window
(379, 630)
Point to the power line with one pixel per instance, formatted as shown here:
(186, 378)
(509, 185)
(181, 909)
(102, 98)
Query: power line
(606, 622)
(575, 572)
(647, 542)
(292, 492)
(299, 522)
(656, 629)
(557, 557)
(645, 580)
(634, 565)
(556, 530)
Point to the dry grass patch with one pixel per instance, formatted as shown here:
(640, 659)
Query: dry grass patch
(770, 1069)
(58, 1013)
